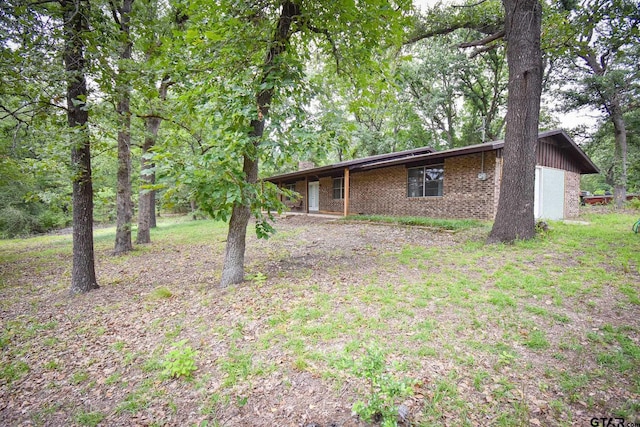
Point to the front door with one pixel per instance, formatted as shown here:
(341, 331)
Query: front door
(314, 196)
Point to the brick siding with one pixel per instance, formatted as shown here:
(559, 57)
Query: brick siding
(327, 202)
(571, 194)
(384, 191)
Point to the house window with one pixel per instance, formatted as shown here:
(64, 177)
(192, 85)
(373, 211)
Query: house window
(290, 187)
(338, 188)
(425, 181)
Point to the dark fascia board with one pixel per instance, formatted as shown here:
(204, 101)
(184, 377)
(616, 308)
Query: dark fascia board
(428, 155)
(435, 157)
(559, 135)
(338, 168)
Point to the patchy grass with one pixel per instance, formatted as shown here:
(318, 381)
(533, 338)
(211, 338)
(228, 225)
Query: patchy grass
(543, 332)
(436, 223)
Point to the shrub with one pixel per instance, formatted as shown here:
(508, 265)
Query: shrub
(384, 390)
(634, 203)
(16, 222)
(21, 222)
(50, 220)
(180, 362)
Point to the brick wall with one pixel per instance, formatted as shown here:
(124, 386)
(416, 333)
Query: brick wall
(384, 191)
(571, 194)
(301, 187)
(327, 202)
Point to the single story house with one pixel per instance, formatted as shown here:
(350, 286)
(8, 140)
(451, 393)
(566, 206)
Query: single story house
(457, 183)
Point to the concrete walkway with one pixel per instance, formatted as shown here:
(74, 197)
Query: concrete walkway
(313, 214)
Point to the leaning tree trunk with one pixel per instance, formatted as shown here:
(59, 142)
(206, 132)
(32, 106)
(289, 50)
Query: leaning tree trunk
(83, 274)
(515, 214)
(124, 205)
(233, 269)
(616, 115)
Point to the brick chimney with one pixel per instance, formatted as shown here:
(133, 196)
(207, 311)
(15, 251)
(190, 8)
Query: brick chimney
(303, 166)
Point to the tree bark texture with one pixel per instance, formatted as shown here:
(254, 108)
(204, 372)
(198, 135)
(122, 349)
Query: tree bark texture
(146, 197)
(515, 215)
(619, 126)
(124, 205)
(233, 269)
(83, 274)
(152, 211)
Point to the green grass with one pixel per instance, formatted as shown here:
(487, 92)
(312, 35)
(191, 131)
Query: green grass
(615, 349)
(537, 340)
(90, 419)
(472, 324)
(13, 371)
(160, 293)
(438, 223)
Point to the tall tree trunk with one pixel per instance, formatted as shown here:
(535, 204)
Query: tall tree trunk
(146, 197)
(152, 211)
(124, 205)
(620, 187)
(152, 125)
(83, 274)
(515, 214)
(233, 269)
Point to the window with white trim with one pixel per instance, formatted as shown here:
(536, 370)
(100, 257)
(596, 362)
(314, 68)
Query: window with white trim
(338, 188)
(425, 181)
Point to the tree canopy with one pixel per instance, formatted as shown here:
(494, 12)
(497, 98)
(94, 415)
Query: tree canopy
(196, 101)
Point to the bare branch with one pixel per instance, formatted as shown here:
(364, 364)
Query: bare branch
(180, 125)
(483, 49)
(485, 41)
(433, 33)
(334, 48)
(470, 5)
(114, 12)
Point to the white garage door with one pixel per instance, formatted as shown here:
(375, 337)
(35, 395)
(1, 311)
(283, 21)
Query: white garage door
(549, 196)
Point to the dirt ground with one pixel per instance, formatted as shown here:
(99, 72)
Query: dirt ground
(68, 358)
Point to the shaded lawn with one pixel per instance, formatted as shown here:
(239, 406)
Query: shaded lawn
(537, 333)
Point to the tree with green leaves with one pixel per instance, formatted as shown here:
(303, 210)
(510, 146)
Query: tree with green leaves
(460, 94)
(35, 192)
(247, 83)
(48, 60)
(519, 25)
(146, 197)
(597, 42)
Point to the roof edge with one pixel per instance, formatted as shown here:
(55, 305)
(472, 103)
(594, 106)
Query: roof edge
(424, 153)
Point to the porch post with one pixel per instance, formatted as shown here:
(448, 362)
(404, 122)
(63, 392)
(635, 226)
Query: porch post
(346, 191)
(306, 195)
